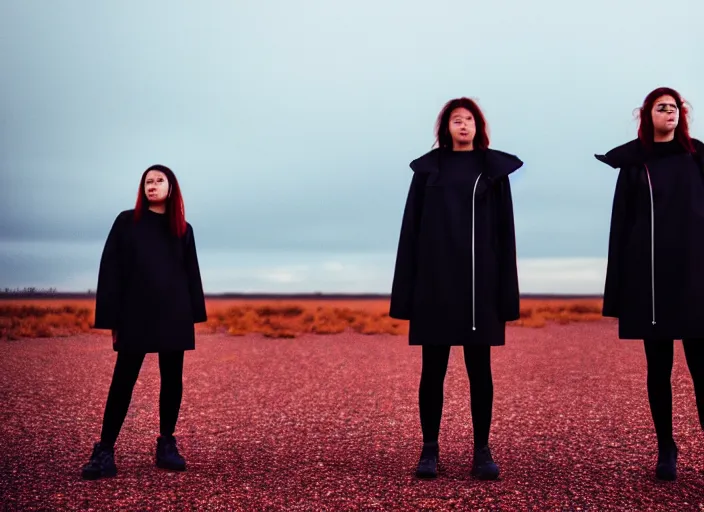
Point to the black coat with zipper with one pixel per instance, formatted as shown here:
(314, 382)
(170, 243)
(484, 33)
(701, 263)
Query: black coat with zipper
(655, 271)
(456, 276)
(149, 285)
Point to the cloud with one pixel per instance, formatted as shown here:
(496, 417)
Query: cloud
(291, 136)
(562, 275)
(74, 267)
(333, 266)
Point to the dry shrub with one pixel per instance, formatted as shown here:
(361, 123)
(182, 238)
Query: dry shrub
(330, 320)
(537, 313)
(274, 318)
(285, 311)
(34, 321)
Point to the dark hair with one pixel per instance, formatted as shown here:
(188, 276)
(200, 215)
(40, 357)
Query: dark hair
(175, 209)
(646, 131)
(442, 127)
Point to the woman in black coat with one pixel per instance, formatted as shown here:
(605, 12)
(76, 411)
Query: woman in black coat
(456, 277)
(150, 295)
(655, 272)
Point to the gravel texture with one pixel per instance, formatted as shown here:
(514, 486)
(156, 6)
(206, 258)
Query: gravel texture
(331, 423)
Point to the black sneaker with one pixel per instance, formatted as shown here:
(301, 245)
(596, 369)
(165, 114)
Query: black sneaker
(167, 456)
(484, 467)
(428, 463)
(666, 468)
(101, 463)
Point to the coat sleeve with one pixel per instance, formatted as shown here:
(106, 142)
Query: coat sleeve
(406, 254)
(195, 284)
(617, 238)
(108, 293)
(509, 296)
(699, 155)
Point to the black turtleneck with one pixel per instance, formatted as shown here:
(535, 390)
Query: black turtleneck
(460, 166)
(665, 149)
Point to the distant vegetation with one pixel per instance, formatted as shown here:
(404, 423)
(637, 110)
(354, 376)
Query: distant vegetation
(43, 321)
(272, 318)
(28, 291)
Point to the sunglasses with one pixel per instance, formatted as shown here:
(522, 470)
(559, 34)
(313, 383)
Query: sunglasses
(666, 107)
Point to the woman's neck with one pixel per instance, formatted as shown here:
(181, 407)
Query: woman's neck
(664, 137)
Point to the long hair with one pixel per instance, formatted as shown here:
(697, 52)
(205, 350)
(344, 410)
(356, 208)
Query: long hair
(443, 139)
(646, 130)
(175, 209)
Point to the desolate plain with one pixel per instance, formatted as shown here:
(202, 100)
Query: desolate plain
(330, 421)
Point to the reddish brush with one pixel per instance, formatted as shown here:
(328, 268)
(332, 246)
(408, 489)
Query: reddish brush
(271, 318)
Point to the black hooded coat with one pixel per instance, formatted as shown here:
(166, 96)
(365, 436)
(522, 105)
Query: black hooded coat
(456, 276)
(655, 271)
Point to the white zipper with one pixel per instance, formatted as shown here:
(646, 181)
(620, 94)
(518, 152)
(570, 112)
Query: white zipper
(474, 285)
(652, 243)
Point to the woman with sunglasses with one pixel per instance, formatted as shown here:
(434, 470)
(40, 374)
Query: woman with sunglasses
(456, 277)
(149, 294)
(655, 272)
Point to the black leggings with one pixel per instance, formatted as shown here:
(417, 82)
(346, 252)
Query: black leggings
(477, 360)
(659, 356)
(124, 378)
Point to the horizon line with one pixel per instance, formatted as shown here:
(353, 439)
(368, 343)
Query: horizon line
(276, 296)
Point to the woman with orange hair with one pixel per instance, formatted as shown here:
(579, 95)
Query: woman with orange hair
(149, 295)
(655, 272)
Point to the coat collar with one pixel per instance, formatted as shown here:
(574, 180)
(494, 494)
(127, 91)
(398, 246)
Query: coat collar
(625, 155)
(497, 163)
(632, 154)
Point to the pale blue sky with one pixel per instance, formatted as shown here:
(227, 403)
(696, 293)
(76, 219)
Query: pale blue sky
(290, 125)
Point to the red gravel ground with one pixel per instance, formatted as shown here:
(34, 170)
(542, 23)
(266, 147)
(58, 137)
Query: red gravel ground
(331, 423)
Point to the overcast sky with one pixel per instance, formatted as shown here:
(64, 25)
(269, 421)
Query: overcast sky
(290, 125)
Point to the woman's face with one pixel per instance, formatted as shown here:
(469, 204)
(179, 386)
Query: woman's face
(156, 186)
(462, 128)
(665, 114)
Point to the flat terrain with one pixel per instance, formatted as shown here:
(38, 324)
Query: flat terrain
(330, 422)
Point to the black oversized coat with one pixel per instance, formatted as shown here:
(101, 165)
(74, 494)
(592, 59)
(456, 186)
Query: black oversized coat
(456, 276)
(149, 285)
(655, 271)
